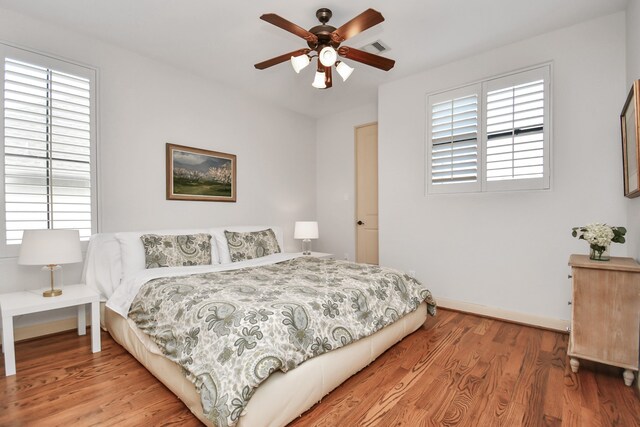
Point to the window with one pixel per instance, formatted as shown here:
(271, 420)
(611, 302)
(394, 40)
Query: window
(48, 129)
(454, 134)
(490, 136)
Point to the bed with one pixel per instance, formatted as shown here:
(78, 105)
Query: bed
(151, 312)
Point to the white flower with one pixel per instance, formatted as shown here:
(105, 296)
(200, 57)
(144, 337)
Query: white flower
(598, 234)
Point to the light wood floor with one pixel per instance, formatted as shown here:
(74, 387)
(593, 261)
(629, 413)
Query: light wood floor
(457, 370)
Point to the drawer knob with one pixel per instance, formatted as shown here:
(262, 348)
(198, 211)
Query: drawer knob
(569, 302)
(569, 276)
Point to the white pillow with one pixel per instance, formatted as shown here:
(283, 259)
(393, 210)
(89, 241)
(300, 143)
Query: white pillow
(221, 239)
(132, 249)
(102, 266)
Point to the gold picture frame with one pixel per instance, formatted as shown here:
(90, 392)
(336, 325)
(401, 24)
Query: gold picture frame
(202, 175)
(629, 121)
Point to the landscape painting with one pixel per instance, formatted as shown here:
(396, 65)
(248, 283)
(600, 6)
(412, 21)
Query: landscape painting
(196, 174)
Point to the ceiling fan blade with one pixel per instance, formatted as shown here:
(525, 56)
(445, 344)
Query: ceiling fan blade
(328, 80)
(282, 58)
(278, 21)
(365, 20)
(366, 58)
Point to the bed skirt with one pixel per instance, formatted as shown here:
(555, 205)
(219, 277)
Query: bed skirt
(281, 397)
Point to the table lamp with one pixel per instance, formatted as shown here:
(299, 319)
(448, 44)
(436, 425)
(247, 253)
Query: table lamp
(50, 248)
(306, 230)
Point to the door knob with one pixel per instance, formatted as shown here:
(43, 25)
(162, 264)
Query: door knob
(360, 223)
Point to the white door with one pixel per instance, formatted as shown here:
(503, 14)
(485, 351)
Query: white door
(367, 194)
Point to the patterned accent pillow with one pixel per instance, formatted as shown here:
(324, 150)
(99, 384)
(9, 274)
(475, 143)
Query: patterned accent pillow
(176, 250)
(252, 244)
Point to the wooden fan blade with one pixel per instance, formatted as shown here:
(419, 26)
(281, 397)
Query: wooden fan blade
(365, 20)
(328, 80)
(278, 59)
(366, 58)
(278, 21)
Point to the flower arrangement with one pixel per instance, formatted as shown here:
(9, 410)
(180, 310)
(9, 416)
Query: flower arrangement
(599, 237)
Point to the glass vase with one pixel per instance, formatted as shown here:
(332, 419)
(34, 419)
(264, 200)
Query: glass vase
(599, 253)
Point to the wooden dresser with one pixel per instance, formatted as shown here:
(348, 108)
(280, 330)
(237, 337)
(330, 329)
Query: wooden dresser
(605, 315)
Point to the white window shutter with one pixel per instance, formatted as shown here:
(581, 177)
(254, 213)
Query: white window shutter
(452, 135)
(515, 136)
(48, 145)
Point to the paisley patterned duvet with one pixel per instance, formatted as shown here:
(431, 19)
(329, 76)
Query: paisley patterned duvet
(229, 330)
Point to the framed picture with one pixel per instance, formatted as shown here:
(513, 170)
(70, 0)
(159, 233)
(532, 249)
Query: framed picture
(196, 174)
(631, 141)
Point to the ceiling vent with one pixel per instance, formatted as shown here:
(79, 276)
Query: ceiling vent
(376, 47)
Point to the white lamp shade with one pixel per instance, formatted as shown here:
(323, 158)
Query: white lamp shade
(318, 81)
(344, 70)
(306, 230)
(299, 62)
(45, 247)
(328, 56)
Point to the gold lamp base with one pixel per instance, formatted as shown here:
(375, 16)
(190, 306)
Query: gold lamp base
(52, 292)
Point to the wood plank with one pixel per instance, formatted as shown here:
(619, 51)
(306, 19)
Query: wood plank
(552, 404)
(456, 370)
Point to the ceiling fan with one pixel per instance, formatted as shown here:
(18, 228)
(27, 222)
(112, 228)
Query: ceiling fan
(325, 41)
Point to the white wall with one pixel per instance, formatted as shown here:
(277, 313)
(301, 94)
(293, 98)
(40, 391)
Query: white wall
(509, 250)
(633, 73)
(144, 104)
(336, 179)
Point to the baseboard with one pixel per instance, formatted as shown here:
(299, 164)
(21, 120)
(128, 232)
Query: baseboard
(501, 314)
(41, 329)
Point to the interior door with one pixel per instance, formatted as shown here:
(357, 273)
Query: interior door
(367, 193)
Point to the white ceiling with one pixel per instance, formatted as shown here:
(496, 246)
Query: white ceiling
(221, 40)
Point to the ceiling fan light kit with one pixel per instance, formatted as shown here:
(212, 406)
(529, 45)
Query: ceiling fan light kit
(325, 41)
(319, 80)
(344, 70)
(300, 62)
(328, 56)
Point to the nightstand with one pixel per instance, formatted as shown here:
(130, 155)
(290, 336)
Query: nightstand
(26, 302)
(605, 315)
(320, 255)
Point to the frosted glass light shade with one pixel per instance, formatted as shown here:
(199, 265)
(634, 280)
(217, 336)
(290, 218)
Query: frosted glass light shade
(318, 81)
(306, 230)
(328, 56)
(50, 247)
(299, 62)
(344, 70)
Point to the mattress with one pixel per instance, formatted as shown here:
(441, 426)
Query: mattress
(282, 397)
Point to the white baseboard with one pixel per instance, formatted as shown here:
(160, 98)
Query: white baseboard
(510, 316)
(41, 329)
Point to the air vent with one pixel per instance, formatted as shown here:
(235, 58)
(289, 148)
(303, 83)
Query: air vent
(377, 47)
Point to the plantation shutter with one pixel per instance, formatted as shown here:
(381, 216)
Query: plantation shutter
(453, 136)
(516, 129)
(48, 139)
(491, 136)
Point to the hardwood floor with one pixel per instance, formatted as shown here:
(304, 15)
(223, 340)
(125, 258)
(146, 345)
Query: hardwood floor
(457, 370)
